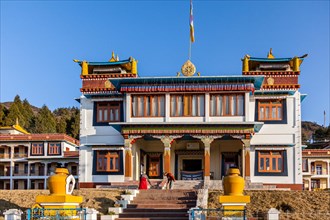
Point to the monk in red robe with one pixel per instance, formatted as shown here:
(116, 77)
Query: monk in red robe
(144, 180)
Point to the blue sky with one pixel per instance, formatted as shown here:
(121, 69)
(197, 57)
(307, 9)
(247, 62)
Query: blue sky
(39, 40)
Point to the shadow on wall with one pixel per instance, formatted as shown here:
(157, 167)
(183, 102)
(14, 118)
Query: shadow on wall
(104, 204)
(5, 205)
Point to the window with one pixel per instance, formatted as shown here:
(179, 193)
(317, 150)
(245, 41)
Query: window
(305, 165)
(54, 149)
(318, 169)
(37, 149)
(26, 166)
(226, 104)
(148, 106)
(33, 168)
(107, 161)
(16, 168)
(270, 110)
(107, 111)
(187, 105)
(270, 161)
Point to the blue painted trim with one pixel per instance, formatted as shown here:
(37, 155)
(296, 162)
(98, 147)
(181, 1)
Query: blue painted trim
(106, 63)
(283, 173)
(272, 60)
(289, 92)
(302, 97)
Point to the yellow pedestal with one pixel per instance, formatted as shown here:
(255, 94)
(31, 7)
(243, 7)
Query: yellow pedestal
(54, 202)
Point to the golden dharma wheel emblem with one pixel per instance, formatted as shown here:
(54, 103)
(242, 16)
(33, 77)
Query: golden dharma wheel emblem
(270, 81)
(107, 84)
(188, 68)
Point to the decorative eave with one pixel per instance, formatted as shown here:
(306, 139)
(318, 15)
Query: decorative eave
(187, 88)
(173, 128)
(281, 87)
(97, 90)
(280, 73)
(106, 76)
(256, 81)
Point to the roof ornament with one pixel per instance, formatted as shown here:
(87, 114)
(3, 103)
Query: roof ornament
(270, 54)
(114, 58)
(188, 69)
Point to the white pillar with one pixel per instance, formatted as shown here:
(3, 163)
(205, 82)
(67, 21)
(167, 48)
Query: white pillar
(207, 107)
(167, 107)
(28, 177)
(45, 174)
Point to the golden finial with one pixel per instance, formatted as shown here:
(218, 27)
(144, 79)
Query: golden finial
(113, 58)
(270, 54)
(178, 74)
(198, 74)
(117, 57)
(76, 61)
(17, 121)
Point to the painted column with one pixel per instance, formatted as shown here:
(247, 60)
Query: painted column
(128, 158)
(167, 141)
(207, 162)
(247, 166)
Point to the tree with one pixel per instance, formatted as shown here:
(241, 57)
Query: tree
(3, 114)
(45, 121)
(28, 114)
(75, 123)
(14, 113)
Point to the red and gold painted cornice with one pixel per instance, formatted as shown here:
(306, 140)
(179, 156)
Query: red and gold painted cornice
(272, 73)
(107, 76)
(181, 130)
(281, 86)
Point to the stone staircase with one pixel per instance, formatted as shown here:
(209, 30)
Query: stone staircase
(188, 184)
(156, 204)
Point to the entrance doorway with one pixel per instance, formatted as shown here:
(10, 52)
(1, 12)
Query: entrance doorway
(229, 159)
(192, 164)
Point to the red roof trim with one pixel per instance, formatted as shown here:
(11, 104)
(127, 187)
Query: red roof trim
(38, 137)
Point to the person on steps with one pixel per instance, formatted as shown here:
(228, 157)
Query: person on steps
(144, 180)
(170, 180)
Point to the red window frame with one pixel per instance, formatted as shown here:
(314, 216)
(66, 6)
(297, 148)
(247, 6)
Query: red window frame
(266, 107)
(107, 161)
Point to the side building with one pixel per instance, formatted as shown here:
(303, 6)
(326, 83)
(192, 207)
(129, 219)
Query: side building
(193, 126)
(316, 169)
(26, 160)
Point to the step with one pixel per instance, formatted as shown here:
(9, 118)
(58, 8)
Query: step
(155, 218)
(153, 214)
(162, 206)
(154, 210)
(163, 202)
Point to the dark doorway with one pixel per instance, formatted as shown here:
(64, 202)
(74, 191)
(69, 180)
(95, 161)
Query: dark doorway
(229, 159)
(192, 165)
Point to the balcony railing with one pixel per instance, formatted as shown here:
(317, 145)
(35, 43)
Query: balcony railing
(20, 173)
(20, 155)
(37, 173)
(4, 156)
(5, 173)
(319, 173)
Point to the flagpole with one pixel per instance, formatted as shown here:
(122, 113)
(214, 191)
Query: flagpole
(189, 55)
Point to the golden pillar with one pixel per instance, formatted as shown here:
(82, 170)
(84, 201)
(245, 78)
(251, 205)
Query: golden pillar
(84, 68)
(296, 64)
(134, 66)
(246, 63)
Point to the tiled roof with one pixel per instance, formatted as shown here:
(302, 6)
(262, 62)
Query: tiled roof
(38, 137)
